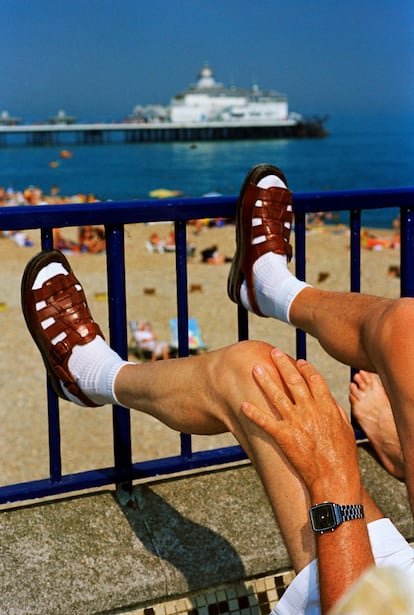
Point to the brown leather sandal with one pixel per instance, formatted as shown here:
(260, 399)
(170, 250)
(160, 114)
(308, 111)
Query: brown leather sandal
(60, 300)
(276, 222)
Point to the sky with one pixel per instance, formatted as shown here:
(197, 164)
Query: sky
(98, 59)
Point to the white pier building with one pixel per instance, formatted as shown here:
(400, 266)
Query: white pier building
(210, 101)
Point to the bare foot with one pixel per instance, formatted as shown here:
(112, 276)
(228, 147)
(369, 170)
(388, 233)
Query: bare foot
(371, 408)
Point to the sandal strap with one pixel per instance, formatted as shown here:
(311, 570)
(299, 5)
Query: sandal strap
(65, 303)
(275, 215)
(276, 219)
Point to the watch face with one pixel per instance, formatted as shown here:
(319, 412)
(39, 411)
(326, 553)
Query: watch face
(323, 517)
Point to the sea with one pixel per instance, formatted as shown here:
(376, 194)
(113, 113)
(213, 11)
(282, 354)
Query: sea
(361, 151)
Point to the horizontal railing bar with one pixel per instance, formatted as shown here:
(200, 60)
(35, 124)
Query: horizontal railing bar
(106, 476)
(114, 215)
(114, 212)
(343, 200)
(165, 210)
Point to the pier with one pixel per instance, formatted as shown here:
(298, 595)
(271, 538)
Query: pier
(155, 132)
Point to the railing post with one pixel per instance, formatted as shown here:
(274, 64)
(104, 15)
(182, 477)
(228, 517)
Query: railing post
(182, 284)
(300, 270)
(180, 229)
(46, 237)
(407, 252)
(115, 262)
(355, 284)
(55, 458)
(242, 323)
(355, 264)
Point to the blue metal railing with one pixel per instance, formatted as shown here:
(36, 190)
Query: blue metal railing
(114, 216)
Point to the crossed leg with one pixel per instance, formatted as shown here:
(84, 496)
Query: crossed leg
(203, 395)
(373, 334)
(362, 331)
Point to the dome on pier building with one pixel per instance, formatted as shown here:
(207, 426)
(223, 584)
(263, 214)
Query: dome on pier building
(206, 78)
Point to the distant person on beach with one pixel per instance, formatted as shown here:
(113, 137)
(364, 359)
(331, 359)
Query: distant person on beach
(20, 238)
(155, 243)
(371, 241)
(62, 243)
(54, 196)
(212, 256)
(146, 338)
(92, 239)
(280, 410)
(396, 238)
(169, 243)
(318, 219)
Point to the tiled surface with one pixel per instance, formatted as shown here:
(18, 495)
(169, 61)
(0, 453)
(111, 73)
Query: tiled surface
(251, 597)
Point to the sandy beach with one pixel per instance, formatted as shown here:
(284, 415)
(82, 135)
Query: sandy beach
(86, 433)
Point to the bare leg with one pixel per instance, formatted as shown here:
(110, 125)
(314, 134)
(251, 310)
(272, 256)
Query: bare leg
(373, 334)
(203, 395)
(363, 331)
(200, 394)
(337, 320)
(371, 407)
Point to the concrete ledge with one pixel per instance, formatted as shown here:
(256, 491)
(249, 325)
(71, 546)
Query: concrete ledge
(90, 554)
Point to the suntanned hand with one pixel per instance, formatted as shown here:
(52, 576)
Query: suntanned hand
(309, 426)
(318, 441)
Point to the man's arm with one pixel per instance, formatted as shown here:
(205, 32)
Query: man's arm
(345, 553)
(317, 439)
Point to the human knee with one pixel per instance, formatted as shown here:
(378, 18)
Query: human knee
(403, 308)
(229, 372)
(391, 331)
(398, 318)
(234, 372)
(244, 355)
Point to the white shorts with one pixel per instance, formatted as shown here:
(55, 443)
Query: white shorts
(389, 548)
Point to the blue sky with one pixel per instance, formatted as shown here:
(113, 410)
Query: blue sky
(97, 59)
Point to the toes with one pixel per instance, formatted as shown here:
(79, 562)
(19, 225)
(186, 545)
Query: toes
(364, 380)
(354, 392)
(359, 382)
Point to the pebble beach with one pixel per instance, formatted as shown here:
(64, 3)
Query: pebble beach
(86, 433)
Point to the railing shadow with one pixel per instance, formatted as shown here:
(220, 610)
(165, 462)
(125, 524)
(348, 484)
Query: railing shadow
(201, 556)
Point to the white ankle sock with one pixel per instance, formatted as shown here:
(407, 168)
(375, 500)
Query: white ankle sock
(271, 181)
(94, 367)
(276, 287)
(275, 291)
(48, 272)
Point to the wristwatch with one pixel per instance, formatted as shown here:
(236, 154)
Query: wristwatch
(327, 516)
